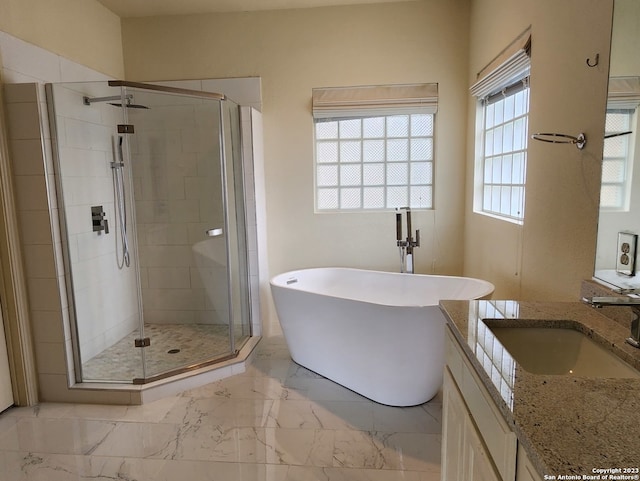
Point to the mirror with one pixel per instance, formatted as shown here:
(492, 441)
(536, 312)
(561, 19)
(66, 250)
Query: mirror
(619, 221)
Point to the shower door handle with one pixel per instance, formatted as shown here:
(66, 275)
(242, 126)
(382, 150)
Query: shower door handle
(217, 232)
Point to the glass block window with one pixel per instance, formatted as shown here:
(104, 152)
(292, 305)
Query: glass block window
(616, 161)
(504, 152)
(374, 163)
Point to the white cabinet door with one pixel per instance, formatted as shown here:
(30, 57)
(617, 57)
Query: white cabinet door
(526, 471)
(479, 465)
(6, 394)
(464, 457)
(453, 422)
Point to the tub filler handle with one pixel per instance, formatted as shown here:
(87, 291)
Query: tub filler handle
(406, 247)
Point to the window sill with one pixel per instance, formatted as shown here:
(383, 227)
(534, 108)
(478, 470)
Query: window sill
(499, 217)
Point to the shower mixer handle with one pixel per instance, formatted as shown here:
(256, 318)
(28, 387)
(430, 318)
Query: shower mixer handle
(98, 219)
(217, 232)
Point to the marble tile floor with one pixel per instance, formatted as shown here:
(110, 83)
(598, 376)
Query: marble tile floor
(275, 422)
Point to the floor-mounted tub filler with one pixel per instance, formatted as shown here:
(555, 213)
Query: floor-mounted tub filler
(380, 334)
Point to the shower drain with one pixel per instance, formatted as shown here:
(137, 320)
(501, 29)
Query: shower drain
(173, 351)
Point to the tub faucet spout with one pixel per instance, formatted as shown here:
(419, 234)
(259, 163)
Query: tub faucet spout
(633, 302)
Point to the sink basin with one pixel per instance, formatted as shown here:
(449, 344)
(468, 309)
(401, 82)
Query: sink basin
(550, 350)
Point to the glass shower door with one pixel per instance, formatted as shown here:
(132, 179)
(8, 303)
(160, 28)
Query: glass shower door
(178, 179)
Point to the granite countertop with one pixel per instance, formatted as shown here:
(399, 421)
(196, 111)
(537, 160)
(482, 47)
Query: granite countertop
(569, 426)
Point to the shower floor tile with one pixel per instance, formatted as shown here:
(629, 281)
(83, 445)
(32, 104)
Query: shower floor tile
(172, 346)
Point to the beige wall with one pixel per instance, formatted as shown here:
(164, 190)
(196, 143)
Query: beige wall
(81, 30)
(549, 256)
(296, 50)
(625, 39)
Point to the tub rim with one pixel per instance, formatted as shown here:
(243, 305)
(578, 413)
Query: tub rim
(280, 280)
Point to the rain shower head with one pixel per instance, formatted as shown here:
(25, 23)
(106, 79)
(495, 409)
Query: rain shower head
(128, 104)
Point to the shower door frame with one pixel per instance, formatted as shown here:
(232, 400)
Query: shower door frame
(228, 159)
(225, 209)
(162, 88)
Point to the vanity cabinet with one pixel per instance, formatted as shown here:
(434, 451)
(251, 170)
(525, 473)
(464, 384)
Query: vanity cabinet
(464, 457)
(477, 445)
(526, 471)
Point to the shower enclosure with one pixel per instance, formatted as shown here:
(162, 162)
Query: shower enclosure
(152, 216)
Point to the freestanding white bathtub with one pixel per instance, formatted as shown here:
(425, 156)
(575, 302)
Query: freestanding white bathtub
(380, 334)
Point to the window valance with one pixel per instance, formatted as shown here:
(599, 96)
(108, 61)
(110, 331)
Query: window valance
(375, 100)
(624, 93)
(512, 63)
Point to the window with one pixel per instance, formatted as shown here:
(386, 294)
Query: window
(504, 156)
(374, 147)
(502, 91)
(616, 160)
(620, 139)
(375, 162)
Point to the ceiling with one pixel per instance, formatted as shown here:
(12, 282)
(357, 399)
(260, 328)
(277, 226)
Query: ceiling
(147, 8)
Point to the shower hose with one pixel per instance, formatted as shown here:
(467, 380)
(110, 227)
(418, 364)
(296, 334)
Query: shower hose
(121, 204)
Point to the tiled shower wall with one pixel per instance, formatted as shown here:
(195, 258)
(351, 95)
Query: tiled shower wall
(105, 295)
(25, 69)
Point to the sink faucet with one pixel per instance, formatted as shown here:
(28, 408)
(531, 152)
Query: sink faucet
(632, 302)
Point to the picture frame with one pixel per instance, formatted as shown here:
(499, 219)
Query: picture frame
(626, 254)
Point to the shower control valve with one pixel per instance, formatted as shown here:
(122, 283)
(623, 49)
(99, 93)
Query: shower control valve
(100, 224)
